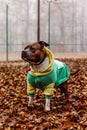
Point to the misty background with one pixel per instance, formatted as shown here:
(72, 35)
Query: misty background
(68, 24)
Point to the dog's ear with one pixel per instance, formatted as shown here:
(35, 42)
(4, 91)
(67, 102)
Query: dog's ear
(42, 43)
(26, 47)
(28, 44)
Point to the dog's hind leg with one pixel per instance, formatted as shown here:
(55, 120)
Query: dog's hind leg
(64, 89)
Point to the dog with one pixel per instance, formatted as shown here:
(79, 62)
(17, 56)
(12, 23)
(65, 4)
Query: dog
(45, 72)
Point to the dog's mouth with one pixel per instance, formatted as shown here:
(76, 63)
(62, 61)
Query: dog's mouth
(30, 60)
(25, 59)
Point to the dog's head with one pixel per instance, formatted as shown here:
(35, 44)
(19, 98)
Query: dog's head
(34, 53)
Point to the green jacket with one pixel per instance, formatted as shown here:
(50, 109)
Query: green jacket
(59, 74)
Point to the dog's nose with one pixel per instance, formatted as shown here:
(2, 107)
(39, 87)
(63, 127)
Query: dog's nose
(23, 53)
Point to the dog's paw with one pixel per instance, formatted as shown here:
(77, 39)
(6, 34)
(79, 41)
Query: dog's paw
(47, 109)
(30, 106)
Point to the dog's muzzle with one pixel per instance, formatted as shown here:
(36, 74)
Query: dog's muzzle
(27, 57)
(23, 55)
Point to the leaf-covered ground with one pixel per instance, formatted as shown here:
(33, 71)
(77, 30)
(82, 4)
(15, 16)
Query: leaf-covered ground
(16, 115)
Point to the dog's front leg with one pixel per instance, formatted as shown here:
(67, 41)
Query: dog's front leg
(31, 92)
(47, 104)
(48, 92)
(30, 100)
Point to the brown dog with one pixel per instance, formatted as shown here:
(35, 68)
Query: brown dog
(46, 73)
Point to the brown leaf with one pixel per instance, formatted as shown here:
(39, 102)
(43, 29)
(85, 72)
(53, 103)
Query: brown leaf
(39, 120)
(67, 124)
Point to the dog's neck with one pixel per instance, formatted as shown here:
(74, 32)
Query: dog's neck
(41, 66)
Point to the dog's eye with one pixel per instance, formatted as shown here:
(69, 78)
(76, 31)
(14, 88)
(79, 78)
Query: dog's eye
(33, 49)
